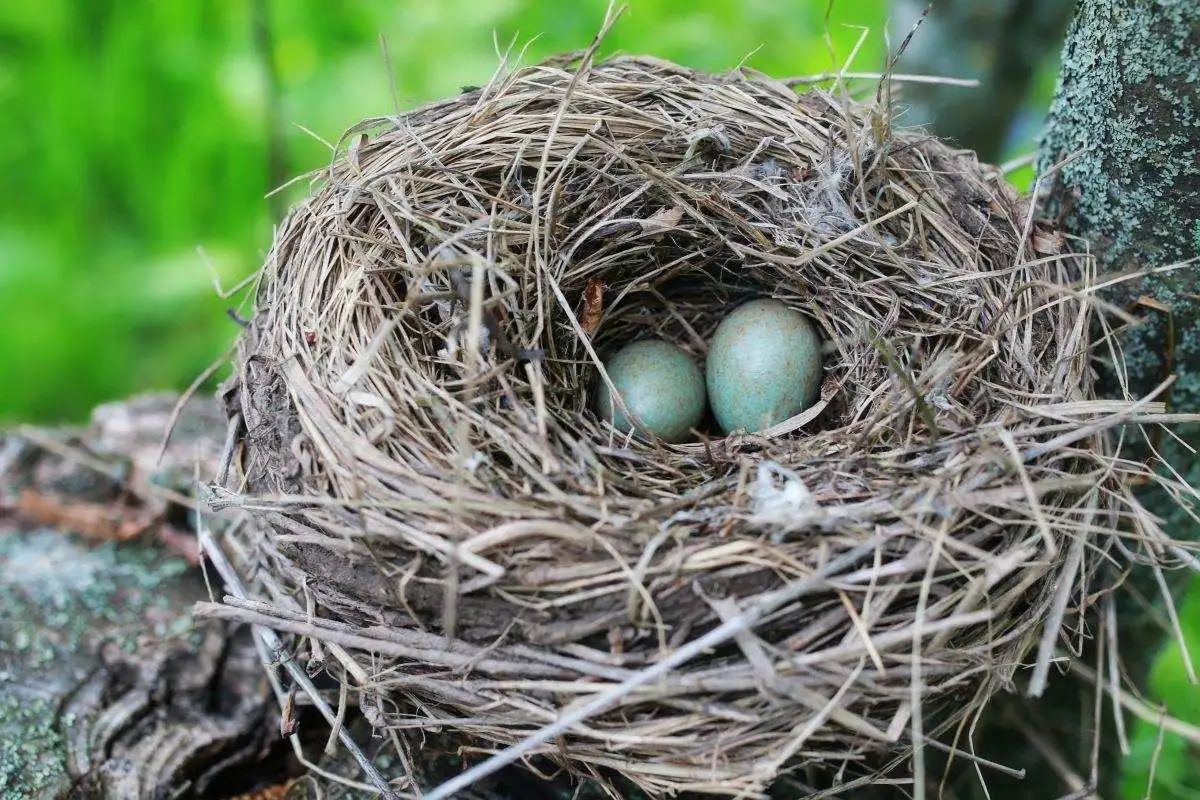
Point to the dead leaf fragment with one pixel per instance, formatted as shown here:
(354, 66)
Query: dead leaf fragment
(112, 523)
(593, 306)
(662, 221)
(277, 792)
(1048, 243)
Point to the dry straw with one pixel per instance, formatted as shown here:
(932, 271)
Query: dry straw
(444, 522)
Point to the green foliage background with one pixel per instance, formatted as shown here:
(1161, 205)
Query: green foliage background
(133, 132)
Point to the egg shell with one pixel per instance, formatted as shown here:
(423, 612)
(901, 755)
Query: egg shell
(764, 366)
(662, 386)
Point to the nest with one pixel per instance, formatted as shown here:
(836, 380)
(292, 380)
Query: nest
(441, 509)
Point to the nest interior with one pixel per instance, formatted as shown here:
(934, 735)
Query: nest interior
(442, 514)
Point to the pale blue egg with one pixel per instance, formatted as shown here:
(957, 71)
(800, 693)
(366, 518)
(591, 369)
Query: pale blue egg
(662, 387)
(764, 366)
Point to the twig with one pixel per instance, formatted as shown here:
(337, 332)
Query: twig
(186, 397)
(1080, 789)
(216, 557)
(1054, 620)
(899, 77)
(746, 620)
(1142, 710)
(232, 432)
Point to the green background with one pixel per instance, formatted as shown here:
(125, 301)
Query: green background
(134, 134)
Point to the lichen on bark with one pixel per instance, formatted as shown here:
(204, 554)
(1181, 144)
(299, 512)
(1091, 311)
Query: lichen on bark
(1127, 115)
(32, 755)
(1121, 158)
(58, 601)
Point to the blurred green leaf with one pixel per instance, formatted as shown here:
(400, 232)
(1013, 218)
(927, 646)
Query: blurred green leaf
(135, 131)
(1177, 767)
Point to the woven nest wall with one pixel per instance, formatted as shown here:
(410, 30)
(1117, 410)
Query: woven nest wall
(439, 503)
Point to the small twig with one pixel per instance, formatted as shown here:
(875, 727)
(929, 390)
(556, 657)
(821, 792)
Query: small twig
(1143, 710)
(216, 557)
(899, 77)
(1080, 789)
(1054, 620)
(916, 682)
(1159, 738)
(229, 448)
(1014, 164)
(746, 620)
(1112, 645)
(978, 761)
(186, 397)
(336, 730)
(391, 74)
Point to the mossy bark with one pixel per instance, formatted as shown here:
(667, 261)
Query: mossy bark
(1127, 114)
(107, 688)
(1121, 158)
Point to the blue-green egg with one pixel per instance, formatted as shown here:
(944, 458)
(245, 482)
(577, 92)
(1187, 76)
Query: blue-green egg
(764, 366)
(662, 387)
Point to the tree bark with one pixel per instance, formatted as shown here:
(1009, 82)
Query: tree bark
(1124, 129)
(1127, 110)
(107, 689)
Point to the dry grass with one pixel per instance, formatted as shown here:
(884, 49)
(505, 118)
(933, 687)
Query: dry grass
(441, 514)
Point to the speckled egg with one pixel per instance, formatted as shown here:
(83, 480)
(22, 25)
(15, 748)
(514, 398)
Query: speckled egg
(764, 366)
(661, 385)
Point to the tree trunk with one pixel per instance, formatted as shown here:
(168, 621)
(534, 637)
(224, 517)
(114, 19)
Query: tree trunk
(107, 689)
(1125, 128)
(1128, 104)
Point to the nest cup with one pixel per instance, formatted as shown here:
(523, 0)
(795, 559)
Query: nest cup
(444, 519)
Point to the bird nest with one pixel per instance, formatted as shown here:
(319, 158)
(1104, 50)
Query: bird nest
(441, 509)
